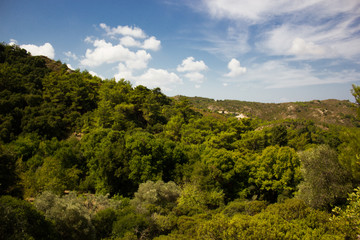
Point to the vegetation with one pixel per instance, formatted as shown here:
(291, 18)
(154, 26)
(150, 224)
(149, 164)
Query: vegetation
(86, 158)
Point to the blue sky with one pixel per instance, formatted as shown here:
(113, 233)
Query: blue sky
(254, 50)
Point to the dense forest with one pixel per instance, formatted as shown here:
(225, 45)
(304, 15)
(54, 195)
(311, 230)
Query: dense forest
(87, 158)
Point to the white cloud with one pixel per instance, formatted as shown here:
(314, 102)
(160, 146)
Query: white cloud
(195, 77)
(69, 54)
(306, 42)
(235, 68)
(13, 42)
(95, 74)
(106, 52)
(260, 10)
(300, 47)
(138, 60)
(152, 44)
(311, 30)
(123, 30)
(69, 66)
(151, 78)
(192, 70)
(158, 78)
(124, 72)
(278, 74)
(44, 50)
(189, 65)
(128, 41)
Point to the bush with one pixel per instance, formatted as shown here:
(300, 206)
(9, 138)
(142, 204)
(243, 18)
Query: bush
(325, 183)
(20, 220)
(71, 218)
(156, 197)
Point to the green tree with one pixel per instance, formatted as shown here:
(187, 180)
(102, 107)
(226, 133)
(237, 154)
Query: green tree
(279, 135)
(20, 220)
(70, 217)
(107, 161)
(157, 197)
(349, 152)
(276, 172)
(347, 220)
(9, 177)
(355, 91)
(325, 183)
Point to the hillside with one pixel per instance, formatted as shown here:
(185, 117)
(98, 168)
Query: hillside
(332, 111)
(102, 159)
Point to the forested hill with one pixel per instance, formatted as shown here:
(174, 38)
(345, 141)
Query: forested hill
(102, 159)
(332, 111)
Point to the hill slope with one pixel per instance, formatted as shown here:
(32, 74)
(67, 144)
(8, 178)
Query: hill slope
(330, 111)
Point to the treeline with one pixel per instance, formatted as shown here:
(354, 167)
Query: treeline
(141, 165)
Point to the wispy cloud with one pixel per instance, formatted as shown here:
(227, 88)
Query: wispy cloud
(304, 30)
(71, 55)
(279, 74)
(257, 11)
(330, 40)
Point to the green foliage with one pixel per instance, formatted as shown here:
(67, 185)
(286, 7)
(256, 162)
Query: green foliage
(348, 219)
(157, 197)
(356, 93)
(276, 172)
(188, 171)
(325, 181)
(194, 200)
(20, 220)
(244, 207)
(69, 215)
(103, 222)
(9, 177)
(287, 220)
(129, 223)
(349, 152)
(279, 135)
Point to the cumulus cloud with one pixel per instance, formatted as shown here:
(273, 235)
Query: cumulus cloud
(44, 50)
(192, 70)
(235, 68)
(154, 78)
(124, 30)
(195, 77)
(189, 65)
(128, 41)
(106, 52)
(124, 72)
(152, 44)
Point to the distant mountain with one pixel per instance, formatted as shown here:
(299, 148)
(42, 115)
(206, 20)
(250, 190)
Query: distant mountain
(331, 111)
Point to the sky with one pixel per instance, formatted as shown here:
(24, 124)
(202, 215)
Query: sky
(249, 50)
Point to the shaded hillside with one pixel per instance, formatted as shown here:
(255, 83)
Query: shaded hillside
(330, 111)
